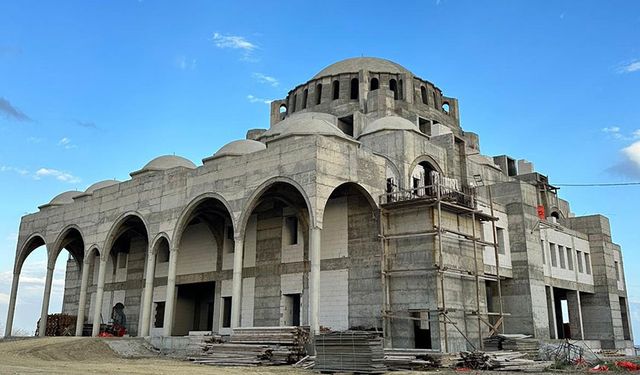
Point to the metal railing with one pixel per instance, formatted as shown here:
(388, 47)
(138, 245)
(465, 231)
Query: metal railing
(464, 196)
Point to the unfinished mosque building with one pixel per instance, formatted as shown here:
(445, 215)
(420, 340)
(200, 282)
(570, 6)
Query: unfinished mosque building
(365, 205)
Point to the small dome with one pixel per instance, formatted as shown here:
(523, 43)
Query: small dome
(240, 147)
(100, 185)
(64, 198)
(305, 123)
(354, 65)
(389, 123)
(162, 163)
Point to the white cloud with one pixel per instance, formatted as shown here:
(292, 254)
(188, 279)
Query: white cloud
(233, 41)
(263, 78)
(34, 140)
(58, 175)
(629, 67)
(632, 152)
(613, 131)
(20, 171)
(184, 63)
(253, 99)
(66, 143)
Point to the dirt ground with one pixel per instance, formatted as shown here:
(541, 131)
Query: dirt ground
(76, 355)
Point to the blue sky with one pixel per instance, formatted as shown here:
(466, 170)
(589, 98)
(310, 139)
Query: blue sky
(92, 90)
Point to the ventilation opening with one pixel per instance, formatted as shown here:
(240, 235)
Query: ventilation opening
(291, 230)
(423, 94)
(346, 125)
(318, 94)
(424, 125)
(226, 312)
(355, 88)
(393, 86)
(374, 84)
(336, 90)
(305, 94)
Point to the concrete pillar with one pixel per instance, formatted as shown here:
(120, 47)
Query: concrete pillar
(97, 313)
(86, 264)
(575, 315)
(42, 327)
(236, 291)
(170, 301)
(147, 297)
(12, 303)
(314, 279)
(553, 313)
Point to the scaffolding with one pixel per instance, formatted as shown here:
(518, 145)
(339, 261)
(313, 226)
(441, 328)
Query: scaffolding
(436, 198)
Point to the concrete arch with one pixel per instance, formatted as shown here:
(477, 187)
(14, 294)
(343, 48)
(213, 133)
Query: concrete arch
(254, 198)
(113, 231)
(368, 196)
(423, 158)
(156, 240)
(31, 243)
(183, 220)
(58, 245)
(90, 249)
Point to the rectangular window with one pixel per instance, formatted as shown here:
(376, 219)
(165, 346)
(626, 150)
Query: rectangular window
(226, 312)
(587, 263)
(579, 259)
(291, 230)
(563, 260)
(159, 319)
(122, 260)
(501, 241)
(544, 260)
(570, 258)
(554, 256)
(616, 266)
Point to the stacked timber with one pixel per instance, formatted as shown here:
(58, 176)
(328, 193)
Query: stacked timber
(256, 346)
(349, 351)
(516, 342)
(411, 359)
(500, 360)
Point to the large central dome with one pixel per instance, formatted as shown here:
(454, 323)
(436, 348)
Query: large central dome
(355, 64)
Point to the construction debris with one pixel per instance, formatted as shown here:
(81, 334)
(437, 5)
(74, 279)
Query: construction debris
(349, 351)
(59, 325)
(500, 360)
(412, 359)
(256, 346)
(516, 342)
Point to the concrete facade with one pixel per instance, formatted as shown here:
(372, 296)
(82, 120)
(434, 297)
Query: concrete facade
(302, 224)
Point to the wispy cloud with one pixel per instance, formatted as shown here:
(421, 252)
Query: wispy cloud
(253, 99)
(184, 63)
(11, 111)
(20, 171)
(34, 140)
(236, 42)
(629, 67)
(613, 131)
(617, 133)
(57, 174)
(263, 78)
(66, 144)
(86, 124)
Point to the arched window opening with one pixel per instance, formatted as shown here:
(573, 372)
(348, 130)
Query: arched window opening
(305, 94)
(355, 88)
(393, 86)
(374, 84)
(400, 90)
(445, 107)
(319, 93)
(423, 94)
(293, 102)
(163, 252)
(336, 89)
(283, 109)
(422, 179)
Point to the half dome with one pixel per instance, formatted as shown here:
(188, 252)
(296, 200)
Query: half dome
(355, 64)
(389, 123)
(62, 199)
(240, 147)
(165, 162)
(305, 123)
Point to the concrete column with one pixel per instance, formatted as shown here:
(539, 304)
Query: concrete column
(169, 306)
(236, 293)
(83, 296)
(97, 313)
(553, 312)
(42, 327)
(575, 315)
(314, 279)
(12, 304)
(148, 294)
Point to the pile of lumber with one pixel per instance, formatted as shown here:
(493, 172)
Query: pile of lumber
(411, 359)
(349, 351)
(256, 346)
(499, 360)
(60, 325)
(516, 342)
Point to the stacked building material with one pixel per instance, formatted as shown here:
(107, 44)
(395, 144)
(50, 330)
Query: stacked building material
(500, 360)
(60, 325)
(256, 346)
(516, 342)
(349, 351)
(411, 359)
